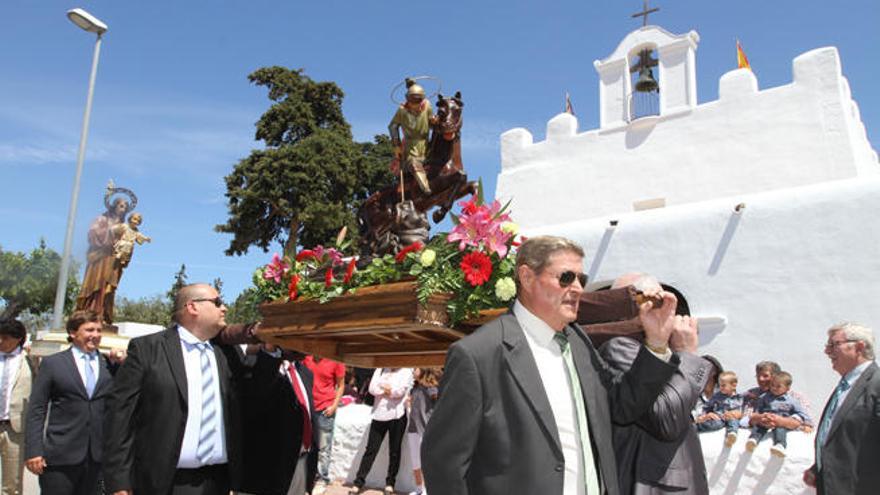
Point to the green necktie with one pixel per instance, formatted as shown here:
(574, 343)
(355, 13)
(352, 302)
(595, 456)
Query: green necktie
(591, 477)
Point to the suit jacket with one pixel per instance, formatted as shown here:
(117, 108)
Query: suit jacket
(274, 432)
(851, 454)
(21, 393)
(661, 450)
(147, 413)
(74, 428)
(492, 431)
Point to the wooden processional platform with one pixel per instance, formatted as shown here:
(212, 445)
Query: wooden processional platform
(385, 326)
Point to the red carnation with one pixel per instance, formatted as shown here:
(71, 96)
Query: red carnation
(291, 289)
(349, 270)
(305, 253)
(328, 278)
(416, 246)
(477, 268)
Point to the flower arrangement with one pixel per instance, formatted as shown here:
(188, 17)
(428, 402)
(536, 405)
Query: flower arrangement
(474, 262)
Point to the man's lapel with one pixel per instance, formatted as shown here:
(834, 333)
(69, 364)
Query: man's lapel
(852, 398)
(587, 375)
(174, 354)
(69, 362)
(222, 370)
(522, 366)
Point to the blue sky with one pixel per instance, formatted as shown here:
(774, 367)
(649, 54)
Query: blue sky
(173, 110)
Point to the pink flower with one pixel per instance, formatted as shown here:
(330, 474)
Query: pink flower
(276, 269)
(481, 225)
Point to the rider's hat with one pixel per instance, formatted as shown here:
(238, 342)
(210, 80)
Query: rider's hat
(414, 89)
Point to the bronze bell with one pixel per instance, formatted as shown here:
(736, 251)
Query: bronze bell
(646, 82)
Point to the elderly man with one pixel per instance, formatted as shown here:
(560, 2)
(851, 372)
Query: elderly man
(174, 412)
(526, 402)
(848, 437)
(660, 452)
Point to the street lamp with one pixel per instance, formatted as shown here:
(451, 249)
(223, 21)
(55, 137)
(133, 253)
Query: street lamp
(91, 24)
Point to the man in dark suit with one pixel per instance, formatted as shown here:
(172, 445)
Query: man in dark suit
(848, 437)
(661, 452)
(526, 402)
(173, 422)
(75, 383)
(279, 434)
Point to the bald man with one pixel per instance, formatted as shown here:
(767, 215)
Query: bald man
(173, 423)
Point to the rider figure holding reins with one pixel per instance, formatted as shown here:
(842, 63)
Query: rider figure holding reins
(415, 117)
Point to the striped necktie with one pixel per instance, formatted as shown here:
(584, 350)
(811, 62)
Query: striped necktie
(208, 425)
(588, 469)
(825, 425)
(90, 375)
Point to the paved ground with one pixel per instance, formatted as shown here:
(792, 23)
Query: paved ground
(345, 490)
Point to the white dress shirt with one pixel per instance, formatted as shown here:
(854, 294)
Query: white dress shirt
(81, 363)
(192, 363)
(388, 407)
(551, 367)
(10, 362)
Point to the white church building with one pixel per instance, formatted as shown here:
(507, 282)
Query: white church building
(759, 208)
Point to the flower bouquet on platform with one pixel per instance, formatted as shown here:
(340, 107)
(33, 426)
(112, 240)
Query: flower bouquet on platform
(473, 263)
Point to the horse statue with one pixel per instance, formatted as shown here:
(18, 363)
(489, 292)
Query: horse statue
(446, 176)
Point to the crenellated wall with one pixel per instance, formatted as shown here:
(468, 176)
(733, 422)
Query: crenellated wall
(747, 141)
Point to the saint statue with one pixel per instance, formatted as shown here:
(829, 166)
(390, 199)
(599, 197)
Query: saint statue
(104, 267)
(415, 117)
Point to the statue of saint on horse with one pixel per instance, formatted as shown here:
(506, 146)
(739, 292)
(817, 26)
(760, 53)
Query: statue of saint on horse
(430, 171)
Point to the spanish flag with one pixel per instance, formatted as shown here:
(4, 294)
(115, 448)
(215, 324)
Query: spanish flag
(742, 61)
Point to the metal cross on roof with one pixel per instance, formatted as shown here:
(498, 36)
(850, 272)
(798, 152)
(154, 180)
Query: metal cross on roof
(644, 13)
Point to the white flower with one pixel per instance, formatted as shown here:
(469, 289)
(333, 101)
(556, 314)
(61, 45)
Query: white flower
(505, 288)
(427, 257)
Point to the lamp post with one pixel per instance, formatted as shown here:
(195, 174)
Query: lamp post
(92, 24)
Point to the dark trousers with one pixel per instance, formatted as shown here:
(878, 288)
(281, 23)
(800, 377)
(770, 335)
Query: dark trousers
(207, 480)
(778, 434)
(79, 479)
(395, 429)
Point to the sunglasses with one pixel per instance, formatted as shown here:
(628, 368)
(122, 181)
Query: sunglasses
(568, 277)
(216, 300)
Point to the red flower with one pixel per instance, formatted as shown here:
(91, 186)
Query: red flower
(328, 278)
(305, 253)
(349, 270)
(468, 207)
(291, 289)
(477, 268)
(416, 246)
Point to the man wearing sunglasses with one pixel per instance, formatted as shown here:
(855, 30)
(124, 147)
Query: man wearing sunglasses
(526, 402)
(848, 435)
(173, 423)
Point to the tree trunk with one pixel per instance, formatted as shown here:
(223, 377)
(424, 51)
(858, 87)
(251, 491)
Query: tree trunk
(293, 238)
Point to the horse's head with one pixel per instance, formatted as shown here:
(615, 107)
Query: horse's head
(449, 115)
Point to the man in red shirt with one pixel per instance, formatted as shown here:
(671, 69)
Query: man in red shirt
(329, 382)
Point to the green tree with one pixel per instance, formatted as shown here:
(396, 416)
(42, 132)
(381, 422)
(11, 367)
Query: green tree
(179, 282)
(311, 177)
(154, 310)
(245, 309)
(28, 281)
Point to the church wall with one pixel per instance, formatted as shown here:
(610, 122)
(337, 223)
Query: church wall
(748, 141)
(767, 282)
